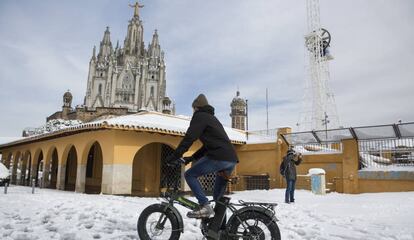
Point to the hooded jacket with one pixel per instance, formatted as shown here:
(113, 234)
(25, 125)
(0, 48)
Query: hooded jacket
(206, 127)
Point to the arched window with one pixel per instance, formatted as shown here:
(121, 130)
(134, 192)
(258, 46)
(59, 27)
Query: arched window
(152, 90)
(100, 89)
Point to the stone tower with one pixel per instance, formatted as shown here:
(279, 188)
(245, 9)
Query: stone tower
(67, 104)
(238, 112)
(131, 76)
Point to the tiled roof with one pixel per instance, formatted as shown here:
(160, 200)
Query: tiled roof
(143, 122)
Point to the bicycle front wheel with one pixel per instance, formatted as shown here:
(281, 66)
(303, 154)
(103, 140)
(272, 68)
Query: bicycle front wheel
(155, 223)
(253, 225)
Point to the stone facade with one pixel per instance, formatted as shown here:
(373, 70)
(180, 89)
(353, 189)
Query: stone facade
(122, 80)
(238, 112)
(85, 114)
(130, 162)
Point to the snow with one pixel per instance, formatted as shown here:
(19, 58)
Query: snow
(4, 172)
(51, 126)
(366, 159)
(257, 139)
(315, 150)
(151, 121)
(154, 120)
(316, 171)
(53, 214)
(391, 168)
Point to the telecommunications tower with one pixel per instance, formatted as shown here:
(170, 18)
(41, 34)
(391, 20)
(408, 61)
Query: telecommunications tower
(319, 108)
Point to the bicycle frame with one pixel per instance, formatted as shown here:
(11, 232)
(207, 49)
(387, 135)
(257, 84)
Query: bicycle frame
(211, 226)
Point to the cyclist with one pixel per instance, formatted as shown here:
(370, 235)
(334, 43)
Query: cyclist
(216, 155)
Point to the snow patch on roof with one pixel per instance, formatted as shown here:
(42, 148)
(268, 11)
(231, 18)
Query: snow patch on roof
(159, 121)
(257, 138)
(142, 121)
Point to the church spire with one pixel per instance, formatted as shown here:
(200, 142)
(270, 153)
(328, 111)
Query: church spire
(154, 47)
(134, 39)
(105, 48)
(107, 37)
(93, 54)
(155, 41)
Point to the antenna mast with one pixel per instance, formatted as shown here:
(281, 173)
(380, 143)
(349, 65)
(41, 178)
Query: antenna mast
(318, 101)
(267, 113)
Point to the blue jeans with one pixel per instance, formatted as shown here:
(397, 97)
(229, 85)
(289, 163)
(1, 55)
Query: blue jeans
(290, 190)
(205, 166)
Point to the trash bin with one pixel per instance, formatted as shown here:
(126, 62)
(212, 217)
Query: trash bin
(317, 180)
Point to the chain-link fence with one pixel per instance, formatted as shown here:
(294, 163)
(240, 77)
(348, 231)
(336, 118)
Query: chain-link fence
(170, 176)
(207, 182)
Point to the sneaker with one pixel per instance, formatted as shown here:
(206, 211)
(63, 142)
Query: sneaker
(204, 211)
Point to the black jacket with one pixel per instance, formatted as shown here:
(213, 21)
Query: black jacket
(216, 144)
(288, 168)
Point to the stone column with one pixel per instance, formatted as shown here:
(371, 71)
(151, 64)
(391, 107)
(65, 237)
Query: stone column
(13, 167)
(80, 178)
(350, 166)
(117, 179)
(46, 169)
(45, 177)
(60, 184)
(4, 156)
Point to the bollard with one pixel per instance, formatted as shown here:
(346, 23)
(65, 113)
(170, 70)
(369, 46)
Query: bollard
(317, 180)
(33, 185)
(5, 187)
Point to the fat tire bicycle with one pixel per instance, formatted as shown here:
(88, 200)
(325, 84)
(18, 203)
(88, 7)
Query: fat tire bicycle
(248, 220)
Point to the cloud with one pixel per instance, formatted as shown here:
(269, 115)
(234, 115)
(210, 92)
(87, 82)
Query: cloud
(214, 47)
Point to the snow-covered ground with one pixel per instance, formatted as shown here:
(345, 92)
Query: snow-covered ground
(53, 214)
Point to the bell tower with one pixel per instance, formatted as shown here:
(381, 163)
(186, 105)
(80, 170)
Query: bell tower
(67, 104)
(238, 112)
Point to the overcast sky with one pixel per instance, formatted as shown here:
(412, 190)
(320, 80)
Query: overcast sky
(214, 47)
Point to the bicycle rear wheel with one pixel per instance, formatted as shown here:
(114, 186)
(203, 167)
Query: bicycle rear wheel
(253, 225)
(155, 223)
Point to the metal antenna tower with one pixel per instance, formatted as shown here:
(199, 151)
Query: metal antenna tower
(318, 100)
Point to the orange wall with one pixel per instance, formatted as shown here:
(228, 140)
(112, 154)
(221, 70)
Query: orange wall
(377, 185)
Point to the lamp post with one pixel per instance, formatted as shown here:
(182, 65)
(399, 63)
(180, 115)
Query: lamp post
(325, 122)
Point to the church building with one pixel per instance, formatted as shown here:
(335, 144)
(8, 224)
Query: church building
(124, 79)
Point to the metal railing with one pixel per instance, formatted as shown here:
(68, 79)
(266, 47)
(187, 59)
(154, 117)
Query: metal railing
(381, 146)
(319, 148)
(388, 153)
(256, 182)
(270, 133)
(317, 142)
